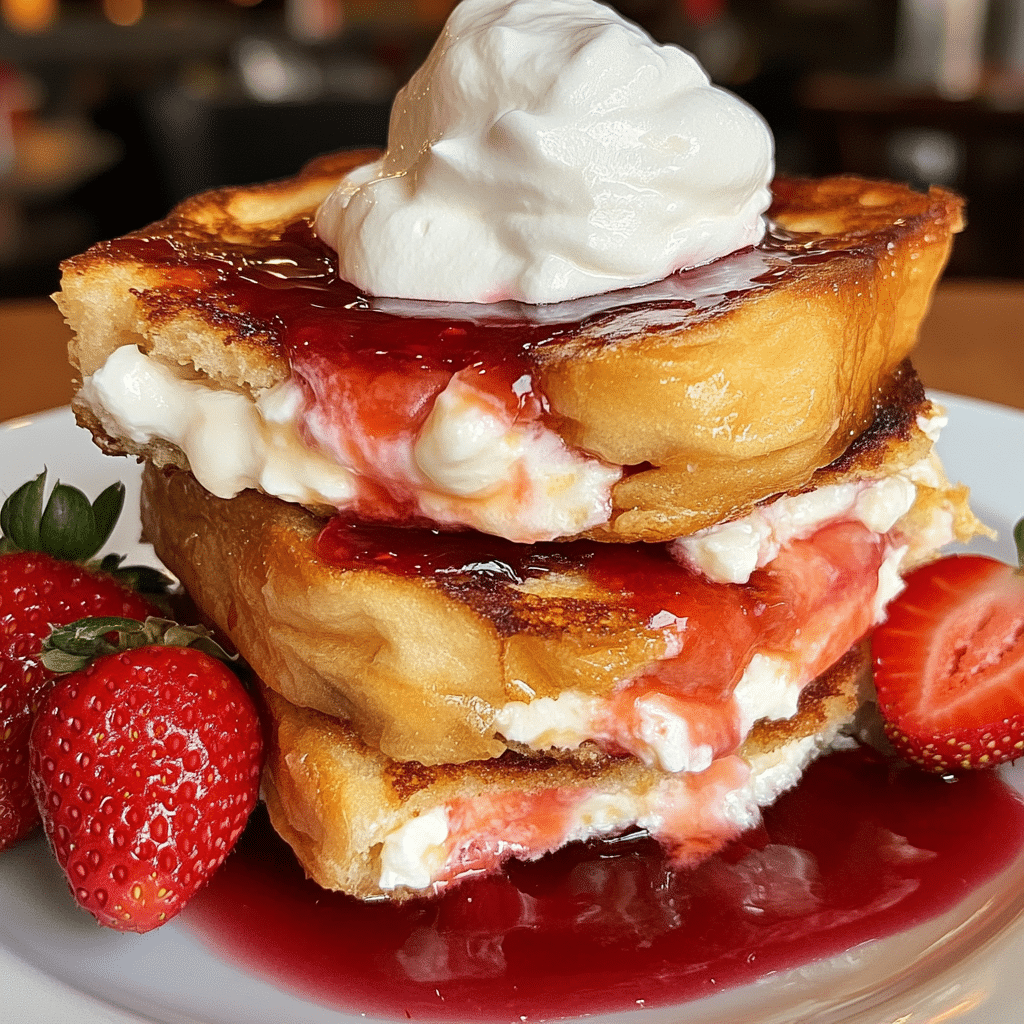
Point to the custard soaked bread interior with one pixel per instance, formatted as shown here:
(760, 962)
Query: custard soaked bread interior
(696, 397)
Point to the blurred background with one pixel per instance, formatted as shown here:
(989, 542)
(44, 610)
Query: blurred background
(113, 110)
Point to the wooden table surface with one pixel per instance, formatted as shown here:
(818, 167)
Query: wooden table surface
(972, 343)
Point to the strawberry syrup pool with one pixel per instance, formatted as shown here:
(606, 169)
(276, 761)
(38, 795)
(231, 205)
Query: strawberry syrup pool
(862, 849)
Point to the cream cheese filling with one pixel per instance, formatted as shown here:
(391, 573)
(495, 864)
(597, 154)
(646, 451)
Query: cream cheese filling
(465, 467)
(769, 688)
(421, 852)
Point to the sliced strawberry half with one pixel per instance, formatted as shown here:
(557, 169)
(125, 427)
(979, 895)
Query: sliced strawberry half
(949, 664)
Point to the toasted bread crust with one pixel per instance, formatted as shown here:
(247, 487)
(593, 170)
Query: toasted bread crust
(710, 408)
(362, 643)
(335, 800)
(770, 385)
(112, 299)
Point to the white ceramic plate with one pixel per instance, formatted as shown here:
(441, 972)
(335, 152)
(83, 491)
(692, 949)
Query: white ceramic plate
(56, 966)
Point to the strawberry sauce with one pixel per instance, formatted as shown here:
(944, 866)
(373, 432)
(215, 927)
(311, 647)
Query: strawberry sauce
(807, 607)
(832, 568)
(862, 849)
(371, 369)
(284, 291)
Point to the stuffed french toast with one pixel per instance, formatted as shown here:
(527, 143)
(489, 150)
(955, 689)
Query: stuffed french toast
(564, 501)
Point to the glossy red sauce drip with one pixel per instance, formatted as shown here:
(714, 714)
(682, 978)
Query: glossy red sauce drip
(373, 367)
(810, 589)
(285, 287)
(860, 850)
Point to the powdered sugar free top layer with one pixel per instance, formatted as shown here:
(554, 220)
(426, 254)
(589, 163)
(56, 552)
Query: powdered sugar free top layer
(546, 150)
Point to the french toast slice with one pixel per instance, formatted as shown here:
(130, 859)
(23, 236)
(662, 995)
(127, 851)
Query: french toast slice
(377, 828)
(671, 406)
(446, 648)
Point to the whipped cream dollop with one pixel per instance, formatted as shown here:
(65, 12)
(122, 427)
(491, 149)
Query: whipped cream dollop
(547, 150)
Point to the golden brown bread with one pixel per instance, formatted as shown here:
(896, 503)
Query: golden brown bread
(712, 405)
(422, 666)
(337, 801)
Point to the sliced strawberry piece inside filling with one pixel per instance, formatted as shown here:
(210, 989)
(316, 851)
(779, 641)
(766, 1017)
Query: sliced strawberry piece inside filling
(820, 594)
(485, 831)
(369, 419)
(686, 813)
(806, 608)
(695, 824)
(367, 422)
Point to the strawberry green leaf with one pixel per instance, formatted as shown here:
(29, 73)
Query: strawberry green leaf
(72, 529)
(67, 529)
(20, 515)
(72, 647)
(106, 510)
(143, 579)
(195, 636)
(78, 635)
(1018, 539)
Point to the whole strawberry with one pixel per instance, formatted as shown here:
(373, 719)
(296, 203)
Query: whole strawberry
(145, 766)
(42, 584)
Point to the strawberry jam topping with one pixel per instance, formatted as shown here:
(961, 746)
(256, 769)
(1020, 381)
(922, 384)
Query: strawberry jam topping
(371, 369)
(284, 291)
(807, 608)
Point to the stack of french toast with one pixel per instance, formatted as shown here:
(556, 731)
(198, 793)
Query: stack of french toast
(515, 577)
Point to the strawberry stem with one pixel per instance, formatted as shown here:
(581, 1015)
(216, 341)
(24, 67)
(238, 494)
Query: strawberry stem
(1018, 538)
(71, 648)
(69, 527)
(72, 529)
